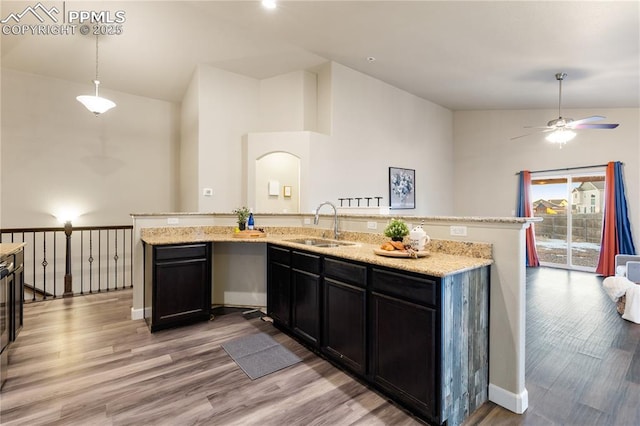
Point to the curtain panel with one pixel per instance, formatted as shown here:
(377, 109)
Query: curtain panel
(616, 228)
(525, 210)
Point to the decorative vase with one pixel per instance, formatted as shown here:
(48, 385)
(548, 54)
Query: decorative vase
(242, 226)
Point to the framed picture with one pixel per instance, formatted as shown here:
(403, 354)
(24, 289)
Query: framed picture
(402, 188)
(287, 191)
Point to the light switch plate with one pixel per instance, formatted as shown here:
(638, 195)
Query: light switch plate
(173, 221)
(207, 192)
(307, 221)
(372, 225)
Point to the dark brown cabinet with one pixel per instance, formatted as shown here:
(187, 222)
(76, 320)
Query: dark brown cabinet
(420, 340)
(16, 296)
(279, 284)
(344, 313)
(177, 284)
(305, 296)
(403, 350)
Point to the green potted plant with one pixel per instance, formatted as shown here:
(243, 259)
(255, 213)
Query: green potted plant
(243, 214)
(396, 230)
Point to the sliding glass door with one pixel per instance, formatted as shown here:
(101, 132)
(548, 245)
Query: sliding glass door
(571, 206)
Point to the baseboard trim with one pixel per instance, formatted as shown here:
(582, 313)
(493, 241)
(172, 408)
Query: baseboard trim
(518, 403)
(137, 314)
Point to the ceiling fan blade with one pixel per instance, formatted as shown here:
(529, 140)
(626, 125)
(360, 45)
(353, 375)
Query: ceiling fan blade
(540, 127)
(573, 123)
(546, 129)
(595, 126)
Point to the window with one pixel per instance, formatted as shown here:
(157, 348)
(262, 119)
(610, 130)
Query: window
(569, 235)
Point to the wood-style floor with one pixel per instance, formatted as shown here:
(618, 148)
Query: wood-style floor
(83, 361)
(582, 358)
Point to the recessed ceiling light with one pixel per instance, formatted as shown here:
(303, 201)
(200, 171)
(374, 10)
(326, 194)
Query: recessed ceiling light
(371, 59)
(269, 4)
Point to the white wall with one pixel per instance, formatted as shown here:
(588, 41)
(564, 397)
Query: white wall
(486, 159)
(57, 155)
(228, 109)
(288, 102)
(373, 126)
(189, 147)
(376, 126)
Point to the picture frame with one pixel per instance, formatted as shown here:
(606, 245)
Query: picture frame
(402, 188)
(286, 191)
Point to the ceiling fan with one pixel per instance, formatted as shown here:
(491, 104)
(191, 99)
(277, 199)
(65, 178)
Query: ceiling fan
(562, 128)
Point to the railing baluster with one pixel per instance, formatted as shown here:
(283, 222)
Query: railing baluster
(81, 262)
(107, 260)
(33, 299)
(115, 258)
(39, 286)
(44, 265)
(99, 259)
(90, 261)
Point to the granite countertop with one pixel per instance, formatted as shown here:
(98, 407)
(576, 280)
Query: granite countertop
(10, 248)
(445, 257)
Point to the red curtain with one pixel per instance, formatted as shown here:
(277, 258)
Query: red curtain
(525, 210)
(610, 245)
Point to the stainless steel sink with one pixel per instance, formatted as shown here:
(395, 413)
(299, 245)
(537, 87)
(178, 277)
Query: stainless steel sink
(321, 242)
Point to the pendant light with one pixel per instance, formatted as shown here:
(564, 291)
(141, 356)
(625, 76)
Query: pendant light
(96, 104)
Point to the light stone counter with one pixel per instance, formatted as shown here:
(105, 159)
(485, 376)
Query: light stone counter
(10, 248)
(445, 257)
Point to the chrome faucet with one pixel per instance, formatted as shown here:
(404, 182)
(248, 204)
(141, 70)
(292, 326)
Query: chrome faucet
(335, 218)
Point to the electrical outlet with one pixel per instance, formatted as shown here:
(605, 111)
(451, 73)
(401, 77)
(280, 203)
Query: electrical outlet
(207, 192)
(372, 225)
(173, 221)
(460, 231)
(307, 221)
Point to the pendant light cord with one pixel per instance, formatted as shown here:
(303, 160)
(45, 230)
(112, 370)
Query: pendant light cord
(96, 81)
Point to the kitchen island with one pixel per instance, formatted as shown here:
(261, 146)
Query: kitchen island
(415, 329)
(506, 235)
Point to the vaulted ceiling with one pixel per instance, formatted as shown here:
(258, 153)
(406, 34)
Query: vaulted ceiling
(459, 54)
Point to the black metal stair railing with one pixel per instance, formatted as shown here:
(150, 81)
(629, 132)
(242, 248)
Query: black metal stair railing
(101, 259)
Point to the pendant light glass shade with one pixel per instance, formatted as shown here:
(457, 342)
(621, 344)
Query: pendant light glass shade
(96, 104)
(561, 136)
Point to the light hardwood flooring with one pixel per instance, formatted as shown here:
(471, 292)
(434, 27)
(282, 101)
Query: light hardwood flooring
(83, 361)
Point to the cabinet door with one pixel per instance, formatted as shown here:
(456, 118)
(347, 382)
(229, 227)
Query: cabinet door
(403, 351)
(305, 318)
(182, 290)
(344, 324)
(279, 292)
(17, 303)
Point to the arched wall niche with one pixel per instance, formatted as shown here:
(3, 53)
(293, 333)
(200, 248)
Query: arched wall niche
(277, 183)
(262, 150)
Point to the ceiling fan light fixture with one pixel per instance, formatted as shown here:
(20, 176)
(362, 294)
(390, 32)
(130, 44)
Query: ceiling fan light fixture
(561, 136)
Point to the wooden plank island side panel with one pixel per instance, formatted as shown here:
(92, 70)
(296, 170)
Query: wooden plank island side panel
(465, 332)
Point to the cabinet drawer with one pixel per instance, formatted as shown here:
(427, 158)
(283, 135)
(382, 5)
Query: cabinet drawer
(305, 262)
(279, 255)
(186, 251)
(402, 285)
(347, 272)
